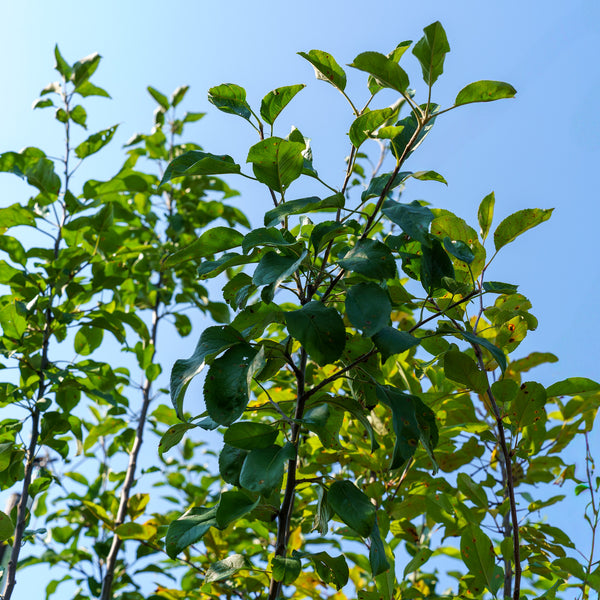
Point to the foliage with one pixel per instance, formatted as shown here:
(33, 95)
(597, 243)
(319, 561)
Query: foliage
(381, 439)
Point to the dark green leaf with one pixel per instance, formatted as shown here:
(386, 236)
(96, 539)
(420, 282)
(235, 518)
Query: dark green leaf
(189, 529)
(484, 91)
(231, 461)
(212, 341)
(319, 329)
(357, 411)
(262, 471)
(412, 218)
(431, 51)
(274, 268)
(7, 528)
(173, 436)
(412, 421)
(370, 258)
(326, 68)
(395, 55)
(210, 242)
(195, 162)
(377, 559)
(460, 367)
(301, 206)
(387, 72)
(417, 561)
(249, 435)
(485, 214)
(459, 250)
(95, 142)
(409, 134)
(274, 102)
(224, 569)
(211, 268)
(160, 98)
(517, 223)
(378, 184)
(326, 231)
(270, 236)
(498, 287)
(391, 341)
(227, 385)
(276, 162)
(435, 266)
(233, 506)
(368, 307)
(352, 506)
(493, 350)
(230, 98)
(362, 127)
(285, 569)
(331, 569)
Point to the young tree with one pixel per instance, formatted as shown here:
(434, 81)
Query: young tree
(381, 440)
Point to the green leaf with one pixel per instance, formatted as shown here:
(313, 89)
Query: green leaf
(412, 421)
(409, 134)
(532, 360)
(527, 408)
(285, 569)
(268, 236)
(210, 242)
(87, 339)
(498, 287)
(78, 115)
(211, 268)
(435, 266)
(377, 558)
(192, 117)
(160, 98)
(262, 471)
(498, 355)
(460, 367)
(7, 528)
(459, 250)
(391, 341)
(363, 126)
(62, 66)
(485, 214)
(517, 223)
(352, 506)
(41, 103)
(572, 386)
(477, 552)
(417, 561)
(274, 268)
(227, 385)
(195, 162)
(323, 513)
(135, 531)
(212, 341)
(15, 215)
(224, 569)
(189, 529)
(326, 231)
(412, 218)
(326, 68)
(331, 569)
(83, 69)
(319, 329)
(472, 490)
(354, 407)
(233, 506)
(368, 308)
(301, 206)
(230, 98)
(378, 184)
(178, 95)
(431, 52)
(249, 435)
(274, 102)
(231, 461)
(370, 258)
(276, 162)
(395, 55)
(484, 91)
(87, 88)
(387, 72)
(95, 142)
(173, 436)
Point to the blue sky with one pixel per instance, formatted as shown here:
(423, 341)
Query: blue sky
(538, 150)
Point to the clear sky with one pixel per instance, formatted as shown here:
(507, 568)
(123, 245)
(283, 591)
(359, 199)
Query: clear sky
(541, 149)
